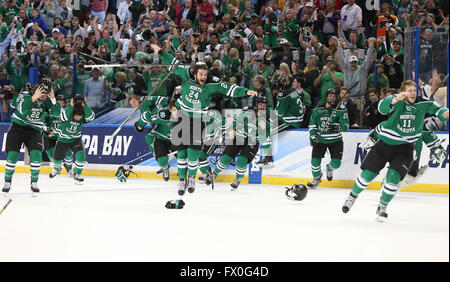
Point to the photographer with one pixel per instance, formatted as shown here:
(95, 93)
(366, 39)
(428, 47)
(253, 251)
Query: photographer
(6, 95)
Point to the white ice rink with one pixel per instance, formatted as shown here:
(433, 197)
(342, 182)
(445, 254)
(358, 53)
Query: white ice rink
(105, 220)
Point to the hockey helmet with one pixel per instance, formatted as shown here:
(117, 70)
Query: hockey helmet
(297, 192)
(332, 91)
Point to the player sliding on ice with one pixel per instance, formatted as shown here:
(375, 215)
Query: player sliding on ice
(396, 144)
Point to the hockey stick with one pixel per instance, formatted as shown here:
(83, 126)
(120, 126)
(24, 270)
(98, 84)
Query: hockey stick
(119, 65)
(149, 95)
(328, 120)
(128, 66)
(7, 204)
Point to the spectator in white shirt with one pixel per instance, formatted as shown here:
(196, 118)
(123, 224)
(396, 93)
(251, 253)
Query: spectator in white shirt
(350, 14)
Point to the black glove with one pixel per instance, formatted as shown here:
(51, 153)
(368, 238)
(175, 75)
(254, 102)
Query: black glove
(333, 128)
(138, 129)
(313, 140)
(164, 114)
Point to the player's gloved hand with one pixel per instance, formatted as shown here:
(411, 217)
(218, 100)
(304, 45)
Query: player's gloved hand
(138, 129)
(438, 154)
(368, 143)
(313, 139)
(164, 114)
(334, 128)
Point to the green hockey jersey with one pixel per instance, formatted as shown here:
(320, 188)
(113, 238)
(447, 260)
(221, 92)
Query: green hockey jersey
(27, 112)
(195, 99)
(149, 115)
(70, 130)
(52, 119)
(319, 118)
(290, 108)
(406, 122)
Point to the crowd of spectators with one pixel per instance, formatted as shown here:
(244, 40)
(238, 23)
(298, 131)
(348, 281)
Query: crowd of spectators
(341, 44)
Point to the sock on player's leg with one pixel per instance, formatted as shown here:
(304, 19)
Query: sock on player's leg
(10, 167)
(35, 164)
(362, 181)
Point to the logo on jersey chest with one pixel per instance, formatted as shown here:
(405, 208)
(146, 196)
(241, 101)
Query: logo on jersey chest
(406, 121)
(194, 92)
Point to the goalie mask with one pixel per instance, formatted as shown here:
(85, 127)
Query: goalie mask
(297, 192)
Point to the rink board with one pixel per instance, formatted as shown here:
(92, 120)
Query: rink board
(291, 149)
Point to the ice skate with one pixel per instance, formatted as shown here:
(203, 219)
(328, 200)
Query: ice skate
(69, 171)
(79, 180)
(34, 189)
(6, 187)
(266, 162)
(348, 203)
(54, 173)
(235, 184)
(381, 213)
(329, 173)
(210, 177)
(182, 187)
(191, 185)
(315, 182)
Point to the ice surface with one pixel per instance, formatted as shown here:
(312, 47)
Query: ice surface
(105, 220)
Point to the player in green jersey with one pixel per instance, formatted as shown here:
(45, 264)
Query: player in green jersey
(245, 141)
(51, 121)
(155, 112)
(26, 126)
(396, 144)
(325, 129)
(69, 136)
(190, 110)
(429, 138)
(289, 112)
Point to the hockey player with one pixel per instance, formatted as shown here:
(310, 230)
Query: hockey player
(244, 134)
(51, 121)
(189, 109)
(26, 125)
(289, 111)
(69, 136)
(155, 112)
(325, 129)
(438, 153)
(396, 144)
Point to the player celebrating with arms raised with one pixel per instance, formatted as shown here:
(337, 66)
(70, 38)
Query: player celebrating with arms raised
(191, 109)
(396, 145)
